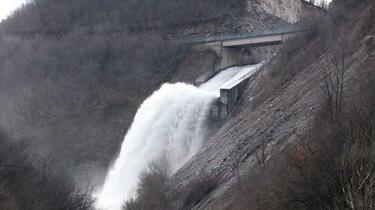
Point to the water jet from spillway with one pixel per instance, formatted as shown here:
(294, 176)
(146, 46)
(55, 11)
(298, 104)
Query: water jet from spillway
(173, 121)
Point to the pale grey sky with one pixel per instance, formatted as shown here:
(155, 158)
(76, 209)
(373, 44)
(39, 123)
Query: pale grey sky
(8, 6)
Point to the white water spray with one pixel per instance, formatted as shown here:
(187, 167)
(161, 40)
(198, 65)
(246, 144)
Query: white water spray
(171, 120)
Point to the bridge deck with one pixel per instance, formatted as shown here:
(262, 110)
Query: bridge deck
(244, 35)
(254, 41)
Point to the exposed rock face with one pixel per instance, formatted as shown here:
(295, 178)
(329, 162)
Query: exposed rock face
(269, 126)
(257, 15)
(285, 117)
(289, 10)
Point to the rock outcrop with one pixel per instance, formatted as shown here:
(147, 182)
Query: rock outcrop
(288, 10)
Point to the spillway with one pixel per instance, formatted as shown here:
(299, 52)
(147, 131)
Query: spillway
(173, 121)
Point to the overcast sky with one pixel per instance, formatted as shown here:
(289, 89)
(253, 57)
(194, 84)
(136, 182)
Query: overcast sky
(8, 6)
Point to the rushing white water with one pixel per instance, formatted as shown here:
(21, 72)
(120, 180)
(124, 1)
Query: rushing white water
(229, 78)
(172, 120)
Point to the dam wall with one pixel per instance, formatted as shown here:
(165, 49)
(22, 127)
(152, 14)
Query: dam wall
(230, 93)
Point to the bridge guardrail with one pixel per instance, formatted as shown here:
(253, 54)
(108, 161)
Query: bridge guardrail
(225, 37)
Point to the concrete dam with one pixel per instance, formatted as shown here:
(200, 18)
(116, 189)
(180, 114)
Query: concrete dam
(173, 120)
(235, 50)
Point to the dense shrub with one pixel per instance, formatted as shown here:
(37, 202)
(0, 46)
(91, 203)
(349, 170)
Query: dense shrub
(196, 191)
(335, 168)
(153, 192)
(31, 182)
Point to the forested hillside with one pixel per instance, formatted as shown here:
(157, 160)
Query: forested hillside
(58, 17)
(29, 181)
(74, 72)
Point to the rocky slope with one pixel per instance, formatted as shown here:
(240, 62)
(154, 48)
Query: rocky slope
(265, 128)
(274, 115)
(263, 132)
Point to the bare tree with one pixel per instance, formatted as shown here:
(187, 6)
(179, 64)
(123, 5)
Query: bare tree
(153, 190)
(357, 175)
(334, 78)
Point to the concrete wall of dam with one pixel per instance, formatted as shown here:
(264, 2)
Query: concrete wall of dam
(236, 51)
(228, 100)
(231, 91)
(239, 49)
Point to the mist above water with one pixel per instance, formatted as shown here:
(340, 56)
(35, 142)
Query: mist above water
(172, 120)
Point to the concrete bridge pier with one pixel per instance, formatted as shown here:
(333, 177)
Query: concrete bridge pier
(230, 57)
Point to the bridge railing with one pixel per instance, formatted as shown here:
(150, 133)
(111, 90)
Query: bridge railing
(242, 35)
